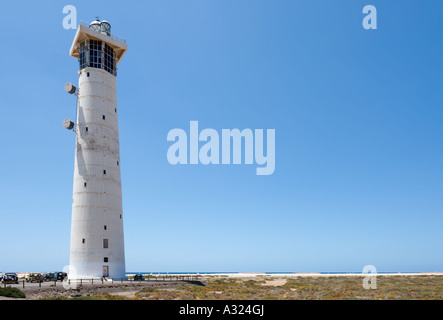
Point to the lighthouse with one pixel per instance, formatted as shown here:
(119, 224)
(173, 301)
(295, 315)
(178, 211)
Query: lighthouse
(97, 237)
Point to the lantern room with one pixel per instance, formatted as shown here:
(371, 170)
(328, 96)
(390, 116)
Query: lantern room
(96, 47)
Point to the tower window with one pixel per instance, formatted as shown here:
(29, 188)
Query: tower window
(87, 74)
(83, 240)
(104, 117)
(104, 171)
(95, 54)
(118, 163)
(109, 61)
(115, 110)
(86, 184)
(105, 243)
(86, 129)
(82, 60)
(106, 259)
(106, 228)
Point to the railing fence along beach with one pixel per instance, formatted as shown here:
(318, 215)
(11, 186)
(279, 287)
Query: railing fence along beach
(129, 279)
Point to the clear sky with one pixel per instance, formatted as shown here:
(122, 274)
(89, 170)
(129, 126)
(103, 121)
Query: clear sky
(358, 118)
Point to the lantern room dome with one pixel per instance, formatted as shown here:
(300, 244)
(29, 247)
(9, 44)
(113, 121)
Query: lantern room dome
(95, 25)
(101, 26)
(105, 27)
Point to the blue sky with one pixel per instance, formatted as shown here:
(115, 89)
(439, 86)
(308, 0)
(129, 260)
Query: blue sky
(357, 113)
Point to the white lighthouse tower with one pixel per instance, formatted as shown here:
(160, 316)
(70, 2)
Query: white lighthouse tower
(97, 240)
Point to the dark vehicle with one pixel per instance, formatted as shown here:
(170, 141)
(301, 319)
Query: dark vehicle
(10, 277)
(139, 277)
(49, 276)
(61, 275)
(54, 276)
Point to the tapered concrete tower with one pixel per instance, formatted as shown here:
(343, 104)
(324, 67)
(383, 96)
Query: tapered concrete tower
(97, 240)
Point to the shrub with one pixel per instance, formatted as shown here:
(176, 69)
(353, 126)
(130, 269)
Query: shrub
(12, 292)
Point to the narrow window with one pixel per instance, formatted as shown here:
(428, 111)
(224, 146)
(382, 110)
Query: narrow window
(118, 163)
(104, 117)
(84, 241)
(87, 74)
(115, 110)
(86, 129)
(106, 228)
(104, 171)
(86, 184)
(106, 259)
(105, 243)
(120, 216)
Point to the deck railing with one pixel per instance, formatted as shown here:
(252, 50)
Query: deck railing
(113, 36)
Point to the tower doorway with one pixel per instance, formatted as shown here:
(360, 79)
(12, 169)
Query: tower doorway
(105, 271)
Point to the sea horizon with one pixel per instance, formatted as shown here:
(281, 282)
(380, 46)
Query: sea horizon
(276, 272)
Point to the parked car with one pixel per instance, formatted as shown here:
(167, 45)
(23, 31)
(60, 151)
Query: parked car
(34, 277)
(61, 275)
(54, 276)
(49, 276)
(139, 277)
(10, 277)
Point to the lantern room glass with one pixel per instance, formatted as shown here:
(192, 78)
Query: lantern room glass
(97, 54)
